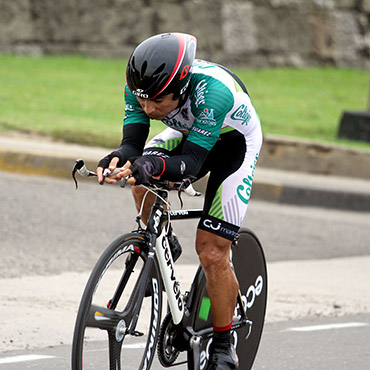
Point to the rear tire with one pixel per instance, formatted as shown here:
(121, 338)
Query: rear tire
(250, 269)
(106, 310)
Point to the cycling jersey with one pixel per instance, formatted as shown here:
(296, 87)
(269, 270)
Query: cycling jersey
(216, 121)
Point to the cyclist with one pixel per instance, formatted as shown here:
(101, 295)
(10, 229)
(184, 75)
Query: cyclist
(212, 128)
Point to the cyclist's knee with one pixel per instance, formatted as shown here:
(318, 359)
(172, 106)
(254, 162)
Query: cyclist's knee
(213, 250)
(138, 193)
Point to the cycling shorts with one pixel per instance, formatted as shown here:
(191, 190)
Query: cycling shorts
(231, 165)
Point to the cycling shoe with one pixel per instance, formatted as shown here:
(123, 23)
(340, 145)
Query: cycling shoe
(222, 356)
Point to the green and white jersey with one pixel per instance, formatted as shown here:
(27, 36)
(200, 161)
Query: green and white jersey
(223, 138)
(216, 104)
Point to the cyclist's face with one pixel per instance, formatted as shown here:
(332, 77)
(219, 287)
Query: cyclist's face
(158, 108)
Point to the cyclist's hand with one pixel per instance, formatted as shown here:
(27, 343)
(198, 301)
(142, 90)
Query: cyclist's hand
(125, 172)
(112, 166)
(142, 169)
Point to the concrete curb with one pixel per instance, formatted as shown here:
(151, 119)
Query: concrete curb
(49, 158)
(311, 157)
(296, 195)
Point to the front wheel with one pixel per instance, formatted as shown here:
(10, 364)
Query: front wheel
(101, 339)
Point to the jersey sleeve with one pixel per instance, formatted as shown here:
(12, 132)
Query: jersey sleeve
(213, 100)
(134, 113)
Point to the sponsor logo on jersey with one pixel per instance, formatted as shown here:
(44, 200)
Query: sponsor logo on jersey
(207, 114)
(156, 153)
(129, 108)
(242, 114)
(201, 131)
(200, 90)
(185, 113)
(207, 117)
(209, 224)
(244, 190)
(182, 167)
(174, 123)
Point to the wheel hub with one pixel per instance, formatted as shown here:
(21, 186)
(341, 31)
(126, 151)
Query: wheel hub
(121, 330)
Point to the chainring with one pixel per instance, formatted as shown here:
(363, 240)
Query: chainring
(167, 353)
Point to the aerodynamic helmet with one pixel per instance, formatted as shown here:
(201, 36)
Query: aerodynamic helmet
(161, 65)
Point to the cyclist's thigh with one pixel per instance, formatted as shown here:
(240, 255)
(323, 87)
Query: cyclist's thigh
(168, 142)
(231, 163)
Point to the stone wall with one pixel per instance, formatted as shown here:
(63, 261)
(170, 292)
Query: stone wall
(252, 32)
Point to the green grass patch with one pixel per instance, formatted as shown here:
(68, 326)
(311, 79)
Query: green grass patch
(80, 99)
(306, 103)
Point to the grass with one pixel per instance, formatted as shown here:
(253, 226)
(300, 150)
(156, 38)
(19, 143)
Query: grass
(308, 102)
(80, 99)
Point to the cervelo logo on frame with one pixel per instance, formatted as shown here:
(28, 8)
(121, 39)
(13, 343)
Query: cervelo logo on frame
(175, 283)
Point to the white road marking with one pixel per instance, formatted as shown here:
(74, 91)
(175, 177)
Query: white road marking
(139, 345)
(329, 326)
(134, 346)
(24, 358)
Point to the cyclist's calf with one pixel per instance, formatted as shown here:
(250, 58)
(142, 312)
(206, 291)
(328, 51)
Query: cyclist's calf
(222, 286)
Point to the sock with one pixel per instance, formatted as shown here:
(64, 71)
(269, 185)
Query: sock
(222, 334)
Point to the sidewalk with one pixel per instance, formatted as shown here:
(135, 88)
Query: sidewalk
(35, 155)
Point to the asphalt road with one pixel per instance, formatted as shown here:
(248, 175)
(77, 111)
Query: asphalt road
(47, 228)
(311, 344)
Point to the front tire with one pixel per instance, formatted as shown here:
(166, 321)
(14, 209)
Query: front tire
(106, 310)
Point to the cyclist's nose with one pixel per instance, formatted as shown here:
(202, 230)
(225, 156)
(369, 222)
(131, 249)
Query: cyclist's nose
(149, 107)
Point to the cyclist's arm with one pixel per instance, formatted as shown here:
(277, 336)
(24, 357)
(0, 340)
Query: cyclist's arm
(188, 163)
(175, 168)
(133, 142)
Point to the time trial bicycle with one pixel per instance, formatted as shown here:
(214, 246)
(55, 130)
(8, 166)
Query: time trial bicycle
(119, 322)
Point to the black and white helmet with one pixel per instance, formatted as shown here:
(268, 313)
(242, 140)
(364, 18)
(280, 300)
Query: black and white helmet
(161, 65)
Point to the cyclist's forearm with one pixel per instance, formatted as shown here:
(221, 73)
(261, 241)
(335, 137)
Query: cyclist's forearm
(133, 141)
(187, 164)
